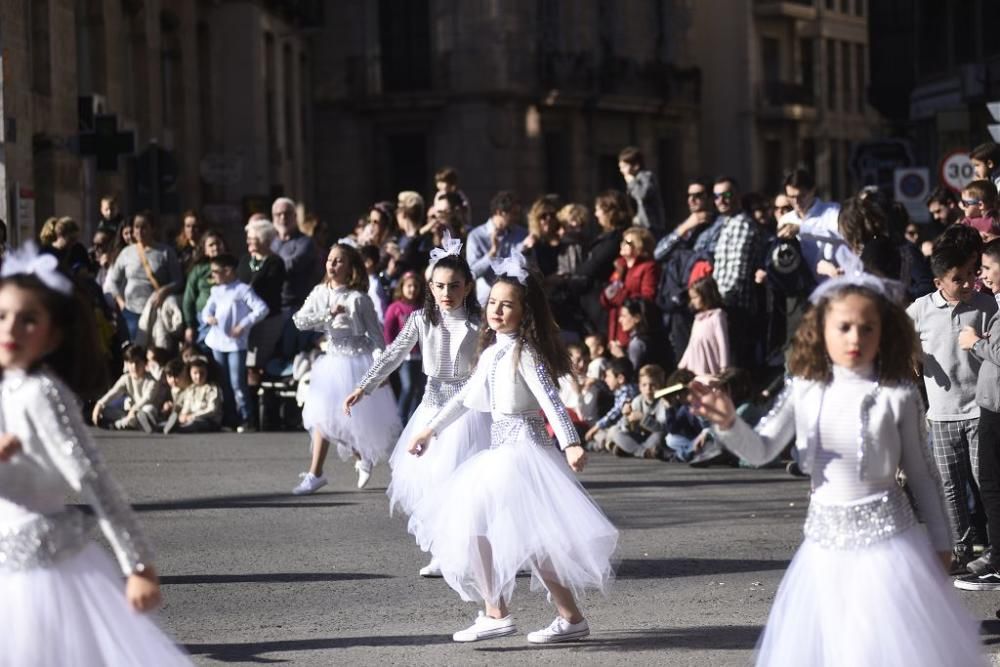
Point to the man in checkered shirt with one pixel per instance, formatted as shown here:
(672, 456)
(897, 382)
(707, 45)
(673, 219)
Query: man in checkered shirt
(737, 255)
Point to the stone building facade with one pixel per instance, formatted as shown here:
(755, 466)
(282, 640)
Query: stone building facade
(209, 94)
(536, 97)
(785, 83)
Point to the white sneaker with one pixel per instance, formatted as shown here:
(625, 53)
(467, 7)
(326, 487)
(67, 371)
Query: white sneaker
(560, 630)
(309, 484)
(431, 570)
(364, 473)
(486, 627)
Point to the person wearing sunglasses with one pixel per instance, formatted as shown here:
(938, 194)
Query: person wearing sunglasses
(738, 255)
(979, 198)
(813, 221)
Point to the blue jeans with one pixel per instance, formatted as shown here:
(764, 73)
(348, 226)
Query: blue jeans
(683, 447)
(131, 323)
(411, 388)
(234, 380)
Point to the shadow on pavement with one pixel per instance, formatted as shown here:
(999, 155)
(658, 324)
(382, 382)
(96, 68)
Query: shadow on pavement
(990, 631)
(717, 637)
(656, 568)
(251, 651)
(269, 578)
(256, 501)
(682, 483)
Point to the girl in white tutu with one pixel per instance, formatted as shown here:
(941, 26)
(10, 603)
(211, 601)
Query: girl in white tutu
(517, 505)
(865, 588)
(447, 330)
(341, 308)
(62, 597)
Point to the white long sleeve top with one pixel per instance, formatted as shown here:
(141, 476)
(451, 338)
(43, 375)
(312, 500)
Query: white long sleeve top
(357, 321)
(233, 304)
(505, 390)
(447, 348)
(59, 457)
(831, 421)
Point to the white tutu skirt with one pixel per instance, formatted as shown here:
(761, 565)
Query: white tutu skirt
(884, 605)
(373, 426)
(414, 476)
(512, 507)
(75, 613)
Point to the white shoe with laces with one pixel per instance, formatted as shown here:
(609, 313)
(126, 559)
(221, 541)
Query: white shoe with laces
(431, 570)
(310, 484)
(560, 630)
(486, 627)
(364, 473)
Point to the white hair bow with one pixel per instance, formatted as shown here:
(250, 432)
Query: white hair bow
(449, 245)
(515, 266)
(45, 267)
(855, 275)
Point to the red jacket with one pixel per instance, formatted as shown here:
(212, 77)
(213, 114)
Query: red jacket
(639, 282)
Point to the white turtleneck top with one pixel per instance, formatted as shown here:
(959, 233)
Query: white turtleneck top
(830, 421)
(507, 389)
(447, 348)
(357, 320)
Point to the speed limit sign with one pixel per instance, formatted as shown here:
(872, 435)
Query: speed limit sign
(957, 171)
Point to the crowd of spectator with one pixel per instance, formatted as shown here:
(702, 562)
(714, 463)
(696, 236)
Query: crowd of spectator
(644, 301)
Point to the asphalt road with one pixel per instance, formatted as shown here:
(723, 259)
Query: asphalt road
(255, 575)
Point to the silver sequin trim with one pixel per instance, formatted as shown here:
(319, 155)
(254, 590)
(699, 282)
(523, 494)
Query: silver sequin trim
(438, 392)
(44, 541)
(519, 427)
(130, 545)
(779, 403)
(859, 525)
(565, 424)
(349, 346)
(865, 445)
(393, 356)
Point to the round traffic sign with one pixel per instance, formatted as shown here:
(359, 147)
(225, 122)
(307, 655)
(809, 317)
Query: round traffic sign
(957, 171)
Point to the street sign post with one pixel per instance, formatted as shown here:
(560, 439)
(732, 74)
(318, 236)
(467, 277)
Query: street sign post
(911, 186)
(956, 170)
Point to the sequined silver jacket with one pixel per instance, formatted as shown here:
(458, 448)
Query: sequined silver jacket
(431, 339)
(505, 391)
(58, 456)
(891, 435)
(356, 330)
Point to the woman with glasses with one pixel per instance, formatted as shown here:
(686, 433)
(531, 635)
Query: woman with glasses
(635, 276)
(543, 234)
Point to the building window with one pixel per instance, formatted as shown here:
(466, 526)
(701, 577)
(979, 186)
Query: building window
(846, 74)
(669, 172)
(846, 153)
(829, 5)
(41, 48)
(807, 154)
(171, 72)
(557, 164)
(770, 50)
(290, 95)
(807, 60)
(405, 43)
(773, 165)
(269, 95)
(834, 148)
(205, 83)
(407, 162)
(859, 7)
(831, 74)
(859, 65)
